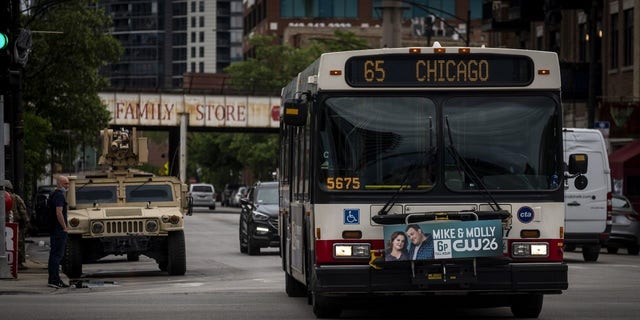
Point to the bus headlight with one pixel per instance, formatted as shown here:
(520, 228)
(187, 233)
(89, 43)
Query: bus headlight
(351, 250)
(529, 249)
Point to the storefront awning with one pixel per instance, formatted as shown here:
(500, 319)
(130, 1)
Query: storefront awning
(621, 156)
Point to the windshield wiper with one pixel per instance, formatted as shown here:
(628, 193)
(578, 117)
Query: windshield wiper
(428, 159)
(460, 162)
(84, 185)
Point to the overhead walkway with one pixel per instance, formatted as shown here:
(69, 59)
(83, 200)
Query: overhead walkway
(201, 112)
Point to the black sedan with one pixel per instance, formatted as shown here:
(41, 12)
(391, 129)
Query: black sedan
(259, 218)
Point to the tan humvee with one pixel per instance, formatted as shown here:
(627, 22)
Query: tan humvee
(121, 211)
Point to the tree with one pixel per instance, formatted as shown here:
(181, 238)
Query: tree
(61, 81)
(218, 158)
(274, 65)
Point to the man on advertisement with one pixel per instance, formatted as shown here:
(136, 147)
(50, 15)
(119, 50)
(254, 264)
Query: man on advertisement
(421, 247)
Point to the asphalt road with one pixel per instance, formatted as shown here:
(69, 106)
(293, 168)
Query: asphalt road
(222, 283)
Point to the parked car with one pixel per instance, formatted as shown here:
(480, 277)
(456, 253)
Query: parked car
(202, 195)
(39, 215)
(227, 194)
(625, 231)
(259, 218)
(238, 195)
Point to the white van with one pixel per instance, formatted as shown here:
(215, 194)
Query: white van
(587, 196)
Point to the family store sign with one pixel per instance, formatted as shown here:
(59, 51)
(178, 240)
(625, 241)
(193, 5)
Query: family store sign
(203, 110)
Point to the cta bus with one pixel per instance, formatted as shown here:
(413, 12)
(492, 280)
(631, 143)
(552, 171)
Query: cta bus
(433, 171)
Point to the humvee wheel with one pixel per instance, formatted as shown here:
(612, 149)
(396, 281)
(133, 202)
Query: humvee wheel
(72, 260)
(177, 262)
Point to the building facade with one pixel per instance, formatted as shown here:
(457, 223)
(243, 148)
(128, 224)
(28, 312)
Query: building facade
(164, 39)
(296, 22)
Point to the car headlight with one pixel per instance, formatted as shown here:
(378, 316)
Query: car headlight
(151, 226)
(173, 219)
(529, 249)
(97, 227)
(351, 250)
(259, 216)
(74, 222)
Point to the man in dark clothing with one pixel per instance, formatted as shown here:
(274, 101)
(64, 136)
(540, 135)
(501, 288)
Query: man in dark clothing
(421, 247)
(58, 238)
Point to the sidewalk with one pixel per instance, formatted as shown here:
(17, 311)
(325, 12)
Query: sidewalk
(34, 279)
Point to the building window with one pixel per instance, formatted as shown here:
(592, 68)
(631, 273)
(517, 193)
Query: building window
(201, 65)
(201, 6)
(201, 36)
(201, 22)
(613, 54)
(193, 22)
(319, 8)
(193, 67)
(193, 52)
(193, 6)
(628, 38)
(201, 52)
(193, 37)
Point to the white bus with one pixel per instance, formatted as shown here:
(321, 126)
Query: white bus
(424, 171)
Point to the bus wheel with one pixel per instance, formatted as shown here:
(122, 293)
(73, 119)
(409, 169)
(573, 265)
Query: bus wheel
(323, 307)
(591, 253)
(526, 306)
(293, 287)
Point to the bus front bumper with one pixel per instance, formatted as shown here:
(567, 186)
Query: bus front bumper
(547, 278)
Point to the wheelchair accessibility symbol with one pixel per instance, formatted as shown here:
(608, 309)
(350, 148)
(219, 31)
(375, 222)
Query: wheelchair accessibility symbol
(351, 216)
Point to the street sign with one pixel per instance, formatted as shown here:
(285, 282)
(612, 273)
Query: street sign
(603, 126)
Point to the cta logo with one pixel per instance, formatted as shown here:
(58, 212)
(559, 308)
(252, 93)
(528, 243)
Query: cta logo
(525, 214)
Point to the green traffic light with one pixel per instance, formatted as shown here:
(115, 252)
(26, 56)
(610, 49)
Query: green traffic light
(4, 40)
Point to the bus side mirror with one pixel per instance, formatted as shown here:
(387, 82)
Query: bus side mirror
(295, 112)
(578, 163)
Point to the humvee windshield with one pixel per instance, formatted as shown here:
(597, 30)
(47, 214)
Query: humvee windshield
(134, 193)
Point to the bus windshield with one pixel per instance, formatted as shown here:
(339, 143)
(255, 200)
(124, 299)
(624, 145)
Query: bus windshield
(378, 143)
(370, 143)
(508, 142)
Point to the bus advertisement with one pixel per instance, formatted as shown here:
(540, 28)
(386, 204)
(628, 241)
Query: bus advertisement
(427, 171)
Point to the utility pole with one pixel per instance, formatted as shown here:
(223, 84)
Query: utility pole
(5, 272)
(391, 23)
(5, 55)
(594, 63)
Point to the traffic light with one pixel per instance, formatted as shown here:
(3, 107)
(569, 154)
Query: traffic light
(4, 40)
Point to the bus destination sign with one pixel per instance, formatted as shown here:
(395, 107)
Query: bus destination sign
(445, 70)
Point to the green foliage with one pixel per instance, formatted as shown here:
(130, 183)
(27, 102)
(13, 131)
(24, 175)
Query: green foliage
(274, 65)
(221, 157)
(61, 79)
